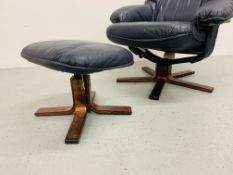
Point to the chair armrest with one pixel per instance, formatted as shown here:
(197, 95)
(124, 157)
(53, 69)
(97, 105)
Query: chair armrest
(215, 12)
(132, 14)
(209, 23)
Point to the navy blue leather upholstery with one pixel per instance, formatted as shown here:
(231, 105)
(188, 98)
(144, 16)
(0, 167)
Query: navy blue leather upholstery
(171, 25)
(132, 14)
(176, 10)
(78, 57)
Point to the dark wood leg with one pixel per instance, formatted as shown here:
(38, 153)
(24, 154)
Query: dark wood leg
(149, 71)
(80, 113)
(74, 134)
(183, 74)
(191, 85)
(156, 92)
(100, 109)
(57, 111)
(110, 110)
(135, 80)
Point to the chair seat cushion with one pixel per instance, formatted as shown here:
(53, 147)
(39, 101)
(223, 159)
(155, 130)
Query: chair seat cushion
(78, 57)
(165, 36)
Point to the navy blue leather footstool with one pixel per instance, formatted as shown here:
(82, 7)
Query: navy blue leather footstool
(80, 58)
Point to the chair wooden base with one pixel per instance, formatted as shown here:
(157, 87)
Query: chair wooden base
(83, 102)
(164, 74)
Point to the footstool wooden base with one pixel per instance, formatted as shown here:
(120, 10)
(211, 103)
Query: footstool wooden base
(83, 102)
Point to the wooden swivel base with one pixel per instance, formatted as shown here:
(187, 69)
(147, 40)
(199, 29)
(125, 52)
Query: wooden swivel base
(83, 99)
(164, 74)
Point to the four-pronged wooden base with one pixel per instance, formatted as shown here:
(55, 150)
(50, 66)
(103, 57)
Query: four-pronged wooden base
(164, 74)
(83, 102)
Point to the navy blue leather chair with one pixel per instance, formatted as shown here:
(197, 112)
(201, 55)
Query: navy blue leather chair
(171, 26)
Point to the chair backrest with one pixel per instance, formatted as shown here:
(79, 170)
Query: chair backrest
(184, 10)
(175, 10)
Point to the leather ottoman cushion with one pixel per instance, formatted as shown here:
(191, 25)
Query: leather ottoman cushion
(78, 57)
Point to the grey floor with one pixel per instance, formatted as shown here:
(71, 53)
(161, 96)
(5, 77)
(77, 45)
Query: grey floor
(185, 133)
